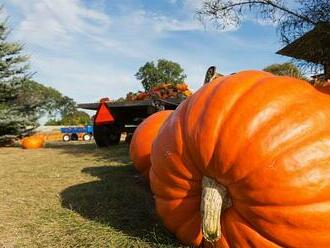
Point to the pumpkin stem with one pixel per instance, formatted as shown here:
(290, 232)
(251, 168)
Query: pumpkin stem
(214, 201)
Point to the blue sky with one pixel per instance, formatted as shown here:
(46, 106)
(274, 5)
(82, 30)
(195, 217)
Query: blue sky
(91, 49)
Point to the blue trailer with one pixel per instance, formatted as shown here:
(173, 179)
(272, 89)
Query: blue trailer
(74, 133)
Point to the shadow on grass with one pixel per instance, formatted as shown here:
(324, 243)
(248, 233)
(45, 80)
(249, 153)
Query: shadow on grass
(120, 200)
(118, 153)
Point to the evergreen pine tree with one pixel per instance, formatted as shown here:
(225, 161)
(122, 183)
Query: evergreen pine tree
(16, 116)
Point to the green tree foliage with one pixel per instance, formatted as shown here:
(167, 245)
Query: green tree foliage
(46, 100)
(75, 118)
(164, 71)
(15, 115)
(22, 100)
(49, 101)
(285, 69)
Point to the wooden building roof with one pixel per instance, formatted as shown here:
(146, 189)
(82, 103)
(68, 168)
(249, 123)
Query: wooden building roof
(313, 46)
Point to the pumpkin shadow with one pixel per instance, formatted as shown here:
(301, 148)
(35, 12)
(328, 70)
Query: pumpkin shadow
(120, 200)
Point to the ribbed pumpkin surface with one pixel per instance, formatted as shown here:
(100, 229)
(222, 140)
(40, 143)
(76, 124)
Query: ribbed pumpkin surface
(267, 140)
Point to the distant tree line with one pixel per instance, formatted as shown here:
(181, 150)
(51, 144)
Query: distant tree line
(75, 118)
(285, 69)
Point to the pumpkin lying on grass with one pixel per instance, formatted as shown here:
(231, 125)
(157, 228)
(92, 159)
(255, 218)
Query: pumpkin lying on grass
(33, 142)
(142, 139)
(247, 158)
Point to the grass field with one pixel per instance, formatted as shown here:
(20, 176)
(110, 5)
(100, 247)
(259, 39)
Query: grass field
(75, 195)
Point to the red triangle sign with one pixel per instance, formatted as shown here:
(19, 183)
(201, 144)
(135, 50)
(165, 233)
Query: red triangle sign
(103, 115)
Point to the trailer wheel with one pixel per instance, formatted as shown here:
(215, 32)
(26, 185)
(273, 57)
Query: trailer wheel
(74, 136)
(66, 137)
(107, 135)
(128, 138)
(87, 137)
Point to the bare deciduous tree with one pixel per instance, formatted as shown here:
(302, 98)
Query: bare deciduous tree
(293, 17)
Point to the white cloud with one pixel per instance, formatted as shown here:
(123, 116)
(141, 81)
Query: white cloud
(84, 80)
(62, 24)
(50, 23)
(86, 52)
(189, 4)
(3, 13)
(192, 4)
(163, 23)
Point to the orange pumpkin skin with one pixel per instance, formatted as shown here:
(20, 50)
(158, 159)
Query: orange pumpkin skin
(267, 140)
(142, 139)
(33, 142)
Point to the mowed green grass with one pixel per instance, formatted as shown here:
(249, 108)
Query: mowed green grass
(76, 195)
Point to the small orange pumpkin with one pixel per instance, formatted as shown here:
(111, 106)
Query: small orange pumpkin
(182, 87)
(245, 162)
(187, 93)
(33, 142)
(142, 139)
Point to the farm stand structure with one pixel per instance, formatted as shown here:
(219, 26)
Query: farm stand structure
(313, 46)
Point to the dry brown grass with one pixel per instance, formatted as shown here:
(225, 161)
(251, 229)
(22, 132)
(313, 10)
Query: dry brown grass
(75, 195)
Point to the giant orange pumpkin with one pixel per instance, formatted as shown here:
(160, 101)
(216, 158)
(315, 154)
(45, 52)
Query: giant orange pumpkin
(142, 139)
(245, 162)
(33, 142)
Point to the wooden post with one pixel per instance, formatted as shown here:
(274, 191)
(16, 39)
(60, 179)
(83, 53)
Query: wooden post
(327, 72)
